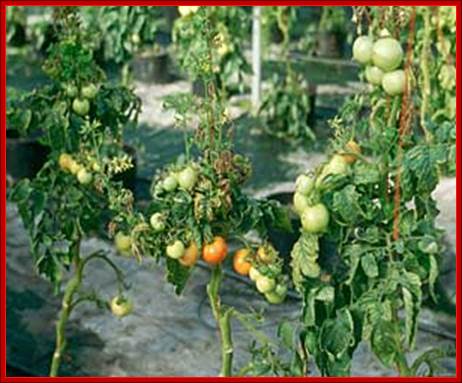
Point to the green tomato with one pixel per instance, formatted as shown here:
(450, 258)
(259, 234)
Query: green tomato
(175, 250)
(71, 90)
(393, 82)
(84, 176)
(81, 106)
(304, 184)
(187, 10)
(89, 91)
(96, 166)
(337, 165)
(74, 167)
(170, 183)
(136, 39)
(123, 242)
(374, 75)
(121, 306)
(315, 219)
(362, 49)
(300, 203)
(266, 254)
(187, 178)
(65, 161)
(265, 284)
(274, 298)
(157, 222)
(387, 54)
(254, 274)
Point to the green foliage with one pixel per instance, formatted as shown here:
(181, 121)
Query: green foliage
(366, 277)
(57, 207)
(286, 107)
(210, 42)
(334, 20)
(16, 24)
(208, 202)
(129, 29)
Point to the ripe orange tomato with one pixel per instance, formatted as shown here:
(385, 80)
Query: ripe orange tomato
(240, 262)
(189, 257)
(215, 252)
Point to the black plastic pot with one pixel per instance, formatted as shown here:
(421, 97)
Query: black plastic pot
(330, 44)
(311, 118)
(24, 156)
(198, 86)
(281, 240)
(152, 67)
(18, 39)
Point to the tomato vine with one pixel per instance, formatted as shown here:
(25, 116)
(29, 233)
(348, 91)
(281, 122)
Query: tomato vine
(368, 255)
(80, 117)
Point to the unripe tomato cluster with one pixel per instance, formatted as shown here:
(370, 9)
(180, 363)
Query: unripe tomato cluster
(382, 59)
(262, 267)
(68, 164)
(184, 179)
(313, 214)
(81, 99)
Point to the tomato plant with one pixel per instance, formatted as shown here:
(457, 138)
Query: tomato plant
(223, 57)
(80, 117)
(285, 107)
(128, 30)
(198, 201)
(378, 215)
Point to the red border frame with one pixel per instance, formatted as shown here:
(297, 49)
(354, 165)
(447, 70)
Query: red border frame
(5, 3)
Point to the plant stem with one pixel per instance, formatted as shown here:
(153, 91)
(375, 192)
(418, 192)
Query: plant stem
(71, 288)
(223, 320)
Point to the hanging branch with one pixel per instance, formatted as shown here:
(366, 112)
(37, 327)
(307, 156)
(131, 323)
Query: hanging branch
(404, 122)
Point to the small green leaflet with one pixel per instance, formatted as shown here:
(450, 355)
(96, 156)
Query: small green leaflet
(304, 255)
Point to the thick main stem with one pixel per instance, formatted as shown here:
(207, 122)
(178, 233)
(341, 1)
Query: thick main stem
(223, 320)
(72, 287)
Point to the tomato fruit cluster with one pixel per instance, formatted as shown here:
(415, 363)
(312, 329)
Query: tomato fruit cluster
(68, 164)
(382, 59)
(264, 268)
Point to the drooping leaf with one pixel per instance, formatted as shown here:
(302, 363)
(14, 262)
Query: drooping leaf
(369, 265)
